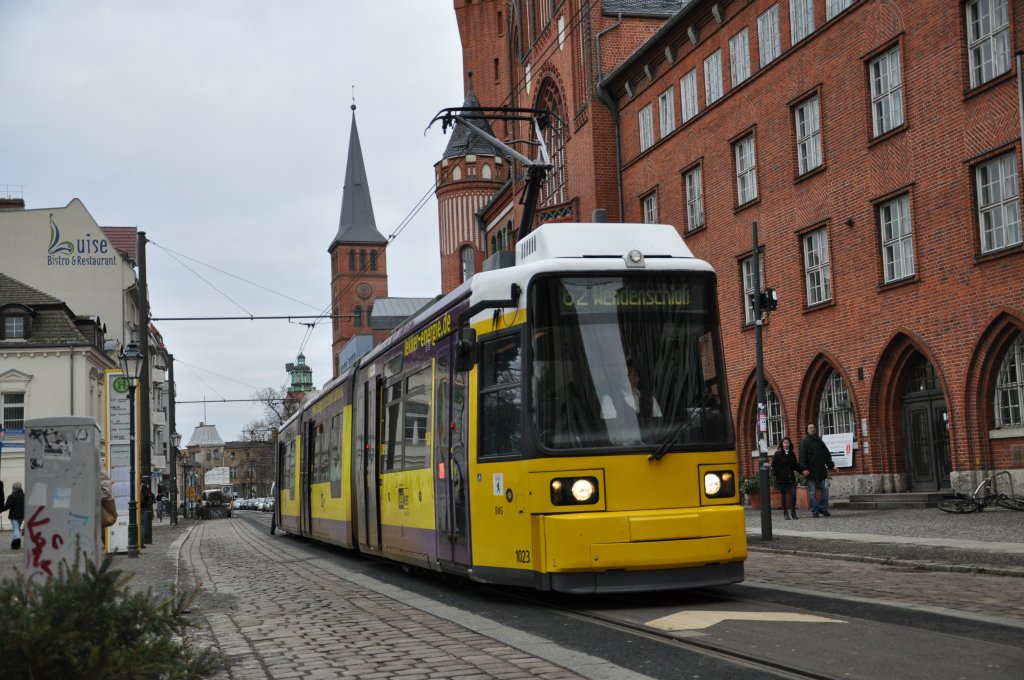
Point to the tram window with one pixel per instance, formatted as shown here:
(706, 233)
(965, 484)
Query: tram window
(501, 396)
(288, 482)
(417, 419)
(335, 444)
(391, 440)
(321, 455)
(393, 366)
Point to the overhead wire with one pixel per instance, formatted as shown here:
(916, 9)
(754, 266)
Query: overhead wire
(174, 253)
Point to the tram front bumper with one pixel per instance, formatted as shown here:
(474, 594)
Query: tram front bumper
(656, 539)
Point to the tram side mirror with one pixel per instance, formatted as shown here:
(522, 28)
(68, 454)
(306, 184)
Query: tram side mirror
(465, 348)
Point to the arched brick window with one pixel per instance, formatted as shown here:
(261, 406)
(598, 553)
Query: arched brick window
(776, 428)
(1009, 396)
(835, 409)
(466, 255)
(352, 260)
(357, 316)
(554, 189)
(373, 260)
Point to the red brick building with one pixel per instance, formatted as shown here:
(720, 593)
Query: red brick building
(359, 270)
(877, 144)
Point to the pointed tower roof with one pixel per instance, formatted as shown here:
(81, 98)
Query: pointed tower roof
(357, 224)
(464, 141)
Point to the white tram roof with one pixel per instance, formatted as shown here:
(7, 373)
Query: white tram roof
(600, 239)
(582, 247)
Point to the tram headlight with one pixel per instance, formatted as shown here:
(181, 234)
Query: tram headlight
(574, 491)
(719, 484)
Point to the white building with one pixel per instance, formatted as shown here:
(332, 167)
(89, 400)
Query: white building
(51, 363)
(64, 253)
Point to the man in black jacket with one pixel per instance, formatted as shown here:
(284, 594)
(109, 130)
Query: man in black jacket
(15, 507)
(816, 461)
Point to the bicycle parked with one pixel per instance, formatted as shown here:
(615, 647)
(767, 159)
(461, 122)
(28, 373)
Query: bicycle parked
(986, 494)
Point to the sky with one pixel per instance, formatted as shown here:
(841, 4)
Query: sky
(221, 130)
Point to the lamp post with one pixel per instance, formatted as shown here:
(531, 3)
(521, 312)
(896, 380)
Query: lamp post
(175, 441)
(131, 364)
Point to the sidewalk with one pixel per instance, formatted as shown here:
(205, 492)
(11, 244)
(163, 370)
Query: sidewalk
(990, 542)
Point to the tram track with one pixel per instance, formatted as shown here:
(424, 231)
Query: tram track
(691, 645)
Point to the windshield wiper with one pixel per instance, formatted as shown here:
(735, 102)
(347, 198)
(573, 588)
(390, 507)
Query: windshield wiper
(698, 409)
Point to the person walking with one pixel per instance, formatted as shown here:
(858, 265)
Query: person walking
(816, 461)
(15, 508)
(784, 467)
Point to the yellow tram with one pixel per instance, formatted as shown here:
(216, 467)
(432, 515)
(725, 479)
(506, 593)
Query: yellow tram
(560, 424)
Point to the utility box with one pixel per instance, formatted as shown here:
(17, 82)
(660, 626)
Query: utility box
(62, 494)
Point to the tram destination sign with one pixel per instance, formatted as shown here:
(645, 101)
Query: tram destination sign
(581, 298)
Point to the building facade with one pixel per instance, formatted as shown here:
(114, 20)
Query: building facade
(92, 269)
(877, 147)
(52, 362)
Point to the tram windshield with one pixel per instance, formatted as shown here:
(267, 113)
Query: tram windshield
(627, 361)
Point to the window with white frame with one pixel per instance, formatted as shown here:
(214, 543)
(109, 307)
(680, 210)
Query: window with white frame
(688, 95)
(650, 205)
(646, 128)
(467, 263)
(12, 413)
(998, 203)
(769, 41)
(834, 7)
(746, 170)
(886, 92)
(817, 270)
(667, 111)
(897, 240)
(801, 19)
(988, 39)
(1009, 400)
(713, 78)
(773, 409)
(807, 120)
(14, 327)
(694, 200)
(739, 57)
(835, 410)
(749, 288)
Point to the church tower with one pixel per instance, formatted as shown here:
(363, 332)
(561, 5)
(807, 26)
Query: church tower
(359, 272)
(468, 175)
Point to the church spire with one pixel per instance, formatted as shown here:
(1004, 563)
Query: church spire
(357, 224)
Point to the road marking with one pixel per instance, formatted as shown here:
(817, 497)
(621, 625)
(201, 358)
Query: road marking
(696, 620)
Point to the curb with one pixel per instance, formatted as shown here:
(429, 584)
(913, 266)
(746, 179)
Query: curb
(922, 565)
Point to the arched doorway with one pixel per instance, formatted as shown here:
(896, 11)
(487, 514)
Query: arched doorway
(925, 431)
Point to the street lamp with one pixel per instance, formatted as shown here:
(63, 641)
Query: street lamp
(131, 364)
(175, 442)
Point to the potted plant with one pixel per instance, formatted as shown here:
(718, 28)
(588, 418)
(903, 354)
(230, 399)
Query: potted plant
(802, 500)
(751, 488)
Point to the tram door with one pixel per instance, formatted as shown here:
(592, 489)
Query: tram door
(364, 452)
(306, 478)
(451, 459)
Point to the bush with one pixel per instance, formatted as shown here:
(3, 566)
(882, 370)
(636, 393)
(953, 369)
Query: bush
(86, 623)
(750, 485)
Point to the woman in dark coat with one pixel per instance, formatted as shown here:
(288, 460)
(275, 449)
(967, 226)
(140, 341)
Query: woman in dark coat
(785, 467)
(15, 508)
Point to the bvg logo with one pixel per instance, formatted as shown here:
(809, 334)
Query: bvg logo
(58, 247)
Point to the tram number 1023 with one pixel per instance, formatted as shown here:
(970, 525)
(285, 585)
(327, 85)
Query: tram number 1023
(523, 556)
